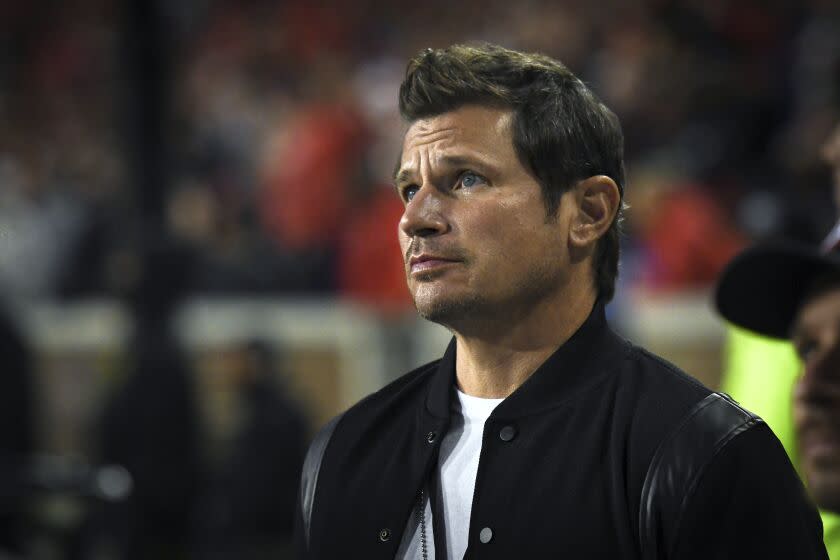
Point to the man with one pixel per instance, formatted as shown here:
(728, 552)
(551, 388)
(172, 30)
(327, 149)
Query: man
(789, 291)
(540, 433)
(762, 372)
(798, 300)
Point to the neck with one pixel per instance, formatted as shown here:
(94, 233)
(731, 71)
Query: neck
(494, 360)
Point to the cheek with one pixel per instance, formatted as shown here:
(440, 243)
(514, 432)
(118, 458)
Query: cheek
(799, 413)
(489, 224)
(404, 240)
(799, 403)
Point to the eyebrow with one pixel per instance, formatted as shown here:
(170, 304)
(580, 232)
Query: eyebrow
(396, 176)
(404, 175)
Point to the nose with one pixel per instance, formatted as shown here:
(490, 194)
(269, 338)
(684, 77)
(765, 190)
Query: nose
(423, 214)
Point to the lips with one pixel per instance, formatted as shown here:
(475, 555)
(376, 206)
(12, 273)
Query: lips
(820, 454)
(819, 444)
(427, 262)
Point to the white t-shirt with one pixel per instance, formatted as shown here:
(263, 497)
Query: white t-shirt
(457, 468)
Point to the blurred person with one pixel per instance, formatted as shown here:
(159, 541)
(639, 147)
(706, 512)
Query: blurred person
(230, 256)
(246, 509)
(309, 175)
(540, 432)
(681, 231)
(60, 164)
(792, 291)
(367, 243)
(762, 372)
(36, 218)
(150, 423)
(17, 433)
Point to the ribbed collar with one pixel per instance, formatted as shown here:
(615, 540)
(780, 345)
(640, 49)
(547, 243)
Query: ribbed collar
(577, 364)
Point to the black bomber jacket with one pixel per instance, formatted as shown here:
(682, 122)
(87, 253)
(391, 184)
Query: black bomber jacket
(606, 451)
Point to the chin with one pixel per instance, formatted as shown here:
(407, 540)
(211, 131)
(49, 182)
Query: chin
(446, 310)
(440, 312)
(825, 491)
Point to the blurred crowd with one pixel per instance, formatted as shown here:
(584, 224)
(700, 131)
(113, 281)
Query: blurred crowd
(245, 147)
(279, 133)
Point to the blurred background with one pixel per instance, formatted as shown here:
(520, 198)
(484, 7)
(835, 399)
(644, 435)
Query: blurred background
(198, 259)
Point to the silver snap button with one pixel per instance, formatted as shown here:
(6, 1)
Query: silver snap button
(384, 535)
(431, 436)
(486, 535)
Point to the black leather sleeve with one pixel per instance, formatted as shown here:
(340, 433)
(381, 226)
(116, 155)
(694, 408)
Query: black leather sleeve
(750, 503)
(722, 483)
(678, 464)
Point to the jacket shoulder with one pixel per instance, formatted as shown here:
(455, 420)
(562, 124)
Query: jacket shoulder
(747, 483)
(679, 462)
(668, 375)
(652, 396)
(661, 392)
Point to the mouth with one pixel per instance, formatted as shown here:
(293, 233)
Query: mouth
(423, 264)
(820, 447)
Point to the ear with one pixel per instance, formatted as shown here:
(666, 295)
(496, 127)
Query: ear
(598, 199)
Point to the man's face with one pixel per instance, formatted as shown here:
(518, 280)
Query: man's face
(475, 235)
(816, 336)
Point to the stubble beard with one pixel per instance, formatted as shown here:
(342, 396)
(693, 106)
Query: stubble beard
(825, 490)
(449, 311)
(458, 311)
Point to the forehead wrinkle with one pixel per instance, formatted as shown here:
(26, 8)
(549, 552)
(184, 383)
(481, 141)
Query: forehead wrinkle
(444, 144)
(407, 170)
(441, 138)
(432, 162)
(424, 149)
(424, 129)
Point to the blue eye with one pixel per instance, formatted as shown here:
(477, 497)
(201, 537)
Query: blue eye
(470, 179)
(409, 192)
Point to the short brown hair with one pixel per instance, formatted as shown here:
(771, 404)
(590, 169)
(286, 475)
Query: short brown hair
(562, 131)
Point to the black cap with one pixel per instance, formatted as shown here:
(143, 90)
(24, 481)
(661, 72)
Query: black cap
(763, 287)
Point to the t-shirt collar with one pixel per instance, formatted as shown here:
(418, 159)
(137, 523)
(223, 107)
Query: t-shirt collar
(581, 361)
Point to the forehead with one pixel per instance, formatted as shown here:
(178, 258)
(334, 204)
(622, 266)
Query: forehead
(485, 130)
